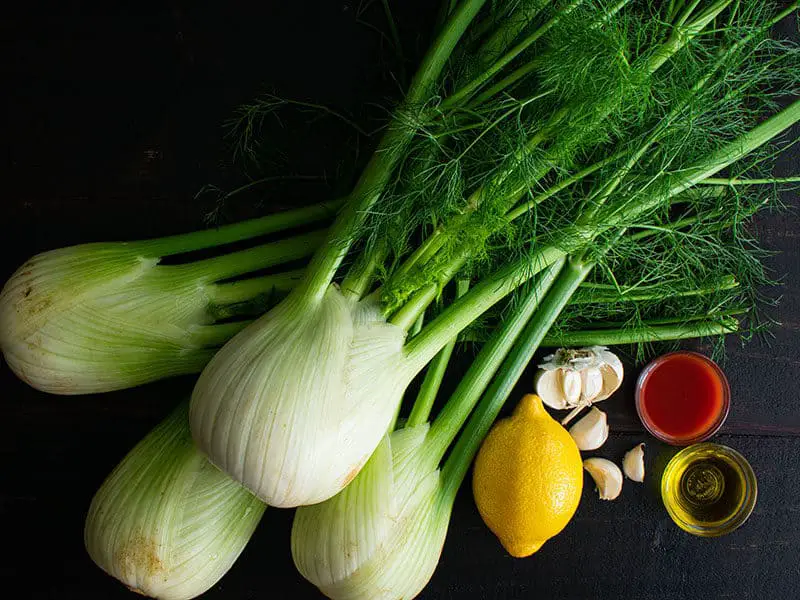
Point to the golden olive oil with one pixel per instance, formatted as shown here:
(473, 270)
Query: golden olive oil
(708, 489)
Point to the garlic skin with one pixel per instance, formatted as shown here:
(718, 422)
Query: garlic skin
(166, 522)
(294, 405)
(612, 371)
(591, 431)
(633, 463)
(607, 477)
(381, 537)
(576, 378)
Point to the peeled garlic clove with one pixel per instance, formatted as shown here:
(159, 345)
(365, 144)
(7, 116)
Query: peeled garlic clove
(571, 386)
(591, 431)
(633, 463)
(591, 383)
(607, 477)
(550, 389)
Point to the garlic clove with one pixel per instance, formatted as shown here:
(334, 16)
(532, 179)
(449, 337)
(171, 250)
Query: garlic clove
(571, 385)
(612, 360)
(591, 431)
(591, 383)
(612, 371)
(549, 388)
(607, 477)
(633, 463)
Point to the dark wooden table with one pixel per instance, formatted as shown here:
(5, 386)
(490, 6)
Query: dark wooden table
(111, 122)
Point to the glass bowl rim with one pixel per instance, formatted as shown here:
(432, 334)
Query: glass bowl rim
(738, 518)
(703, 435)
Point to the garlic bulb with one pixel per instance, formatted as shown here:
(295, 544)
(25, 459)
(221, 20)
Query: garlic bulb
(577, 378)
(607, 477)
(591, 431)
(381, 537)
(633, 463)
(166, 522)
(295, 404)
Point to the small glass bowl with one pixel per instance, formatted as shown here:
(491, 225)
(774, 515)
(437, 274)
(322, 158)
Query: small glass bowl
(664, 436)
(679, 506)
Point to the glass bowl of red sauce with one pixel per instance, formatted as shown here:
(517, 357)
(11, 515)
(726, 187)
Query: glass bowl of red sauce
(682, 398)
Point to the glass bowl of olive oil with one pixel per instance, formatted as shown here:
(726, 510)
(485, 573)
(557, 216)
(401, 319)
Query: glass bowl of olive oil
(709, 489)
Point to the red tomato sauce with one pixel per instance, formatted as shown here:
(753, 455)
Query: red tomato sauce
(682, 396)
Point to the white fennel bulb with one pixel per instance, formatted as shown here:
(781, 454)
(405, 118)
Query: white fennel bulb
(167, 523)
(107, 316)
(294, 405)
(382, 536)
(99, 317)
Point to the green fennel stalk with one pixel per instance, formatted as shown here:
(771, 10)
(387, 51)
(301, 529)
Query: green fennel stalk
(376, 174)
(611, 133)
(443, 269)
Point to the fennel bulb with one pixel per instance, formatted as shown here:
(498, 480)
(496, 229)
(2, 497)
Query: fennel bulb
(293, 406)
(99, 317)
(166, 522)
(106, 316)
(381, 537)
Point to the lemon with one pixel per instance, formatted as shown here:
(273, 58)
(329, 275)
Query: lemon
(528, 478)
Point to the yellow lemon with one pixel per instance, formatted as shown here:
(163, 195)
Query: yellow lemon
(528, 478)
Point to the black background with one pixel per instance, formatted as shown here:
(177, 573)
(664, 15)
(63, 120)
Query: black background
(111, 123)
